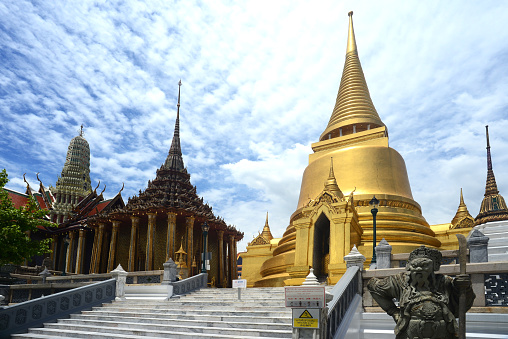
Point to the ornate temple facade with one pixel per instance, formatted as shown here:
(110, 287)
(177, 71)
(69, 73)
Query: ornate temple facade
(351, 163)
(165, 221)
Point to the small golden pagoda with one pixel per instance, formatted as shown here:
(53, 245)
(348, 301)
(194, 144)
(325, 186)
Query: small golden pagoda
(352, 162)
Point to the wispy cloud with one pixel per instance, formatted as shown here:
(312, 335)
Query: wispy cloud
(259, 84)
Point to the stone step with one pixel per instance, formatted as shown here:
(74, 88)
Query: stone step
(166, 330)
(205, 305)
(201, 308)
(43, 333)
(150, 322)
(275, 317)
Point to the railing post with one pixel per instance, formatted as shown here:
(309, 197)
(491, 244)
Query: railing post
(170, 270)
(478, 247)
(121, 277)
(383, 254)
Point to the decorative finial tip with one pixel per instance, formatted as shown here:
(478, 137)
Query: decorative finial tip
(180, 82)
(350, 13)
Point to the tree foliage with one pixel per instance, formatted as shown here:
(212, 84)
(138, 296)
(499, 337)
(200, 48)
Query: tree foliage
(15, 226)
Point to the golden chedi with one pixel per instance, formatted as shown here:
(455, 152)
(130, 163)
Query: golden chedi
(351, 163)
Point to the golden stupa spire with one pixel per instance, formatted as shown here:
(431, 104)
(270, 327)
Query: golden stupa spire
(354, 110)
(351, 41)
(331, 182)
(461, 211)
(267, 234)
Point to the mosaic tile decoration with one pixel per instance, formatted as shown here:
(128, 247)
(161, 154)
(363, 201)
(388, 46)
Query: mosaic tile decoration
(496, 287)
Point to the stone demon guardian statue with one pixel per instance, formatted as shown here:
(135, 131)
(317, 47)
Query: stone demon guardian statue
(428, 302)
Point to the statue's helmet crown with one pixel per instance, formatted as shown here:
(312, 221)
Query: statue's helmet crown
(429, 253)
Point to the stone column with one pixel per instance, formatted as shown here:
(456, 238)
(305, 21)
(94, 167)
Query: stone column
(112, 245)
(235, 258)
(220, 234)
(70, 251)
(232, 257)
(170, 239)
(98, 252)
(94, 250)
(149, 241)
(132, 248)
(80, 251)
(383, 254)
(53, 250)
(189, 222)
(478, 244)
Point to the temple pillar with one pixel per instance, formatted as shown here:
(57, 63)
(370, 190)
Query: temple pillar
(189, 222)
(70, 251)
(94, 250)
(132, 248)
(112, 246)
(53, 250)
(149, 241)
(98, 251)
(231, 258)
(80, 251)
(220, 279)
(235, 258)
(170, 239)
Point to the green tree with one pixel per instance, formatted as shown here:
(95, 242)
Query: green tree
(15, 224)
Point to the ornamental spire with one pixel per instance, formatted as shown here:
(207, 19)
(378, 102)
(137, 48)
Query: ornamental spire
(493, 207)
(351, 41)
(174, 161)
(354, 110)
(331, 182)
(491, 186)
(462, 211)
(267, 234)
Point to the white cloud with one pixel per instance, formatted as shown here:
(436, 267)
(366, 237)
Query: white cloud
(259, 81)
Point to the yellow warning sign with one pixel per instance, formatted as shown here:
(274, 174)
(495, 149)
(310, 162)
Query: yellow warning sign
(309, 318)
(305, 314)
(306, 322)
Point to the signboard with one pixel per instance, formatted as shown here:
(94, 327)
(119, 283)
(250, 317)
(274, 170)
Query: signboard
(305, 296)
(240, 283)
(306, 317)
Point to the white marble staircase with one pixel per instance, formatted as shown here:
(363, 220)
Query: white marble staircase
(207, 313)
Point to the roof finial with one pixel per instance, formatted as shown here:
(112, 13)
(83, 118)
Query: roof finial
(81, 131)
(491, 186)
(266, 230)
(489, 160)
(178, 104)
(331, 175)
(174, 159)
(351, 41)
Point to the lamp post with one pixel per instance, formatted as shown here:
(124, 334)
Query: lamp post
(374, 203)
(205, 229)
(66, 244)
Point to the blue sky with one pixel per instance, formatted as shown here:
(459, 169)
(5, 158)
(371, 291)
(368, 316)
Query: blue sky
(260, 80)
